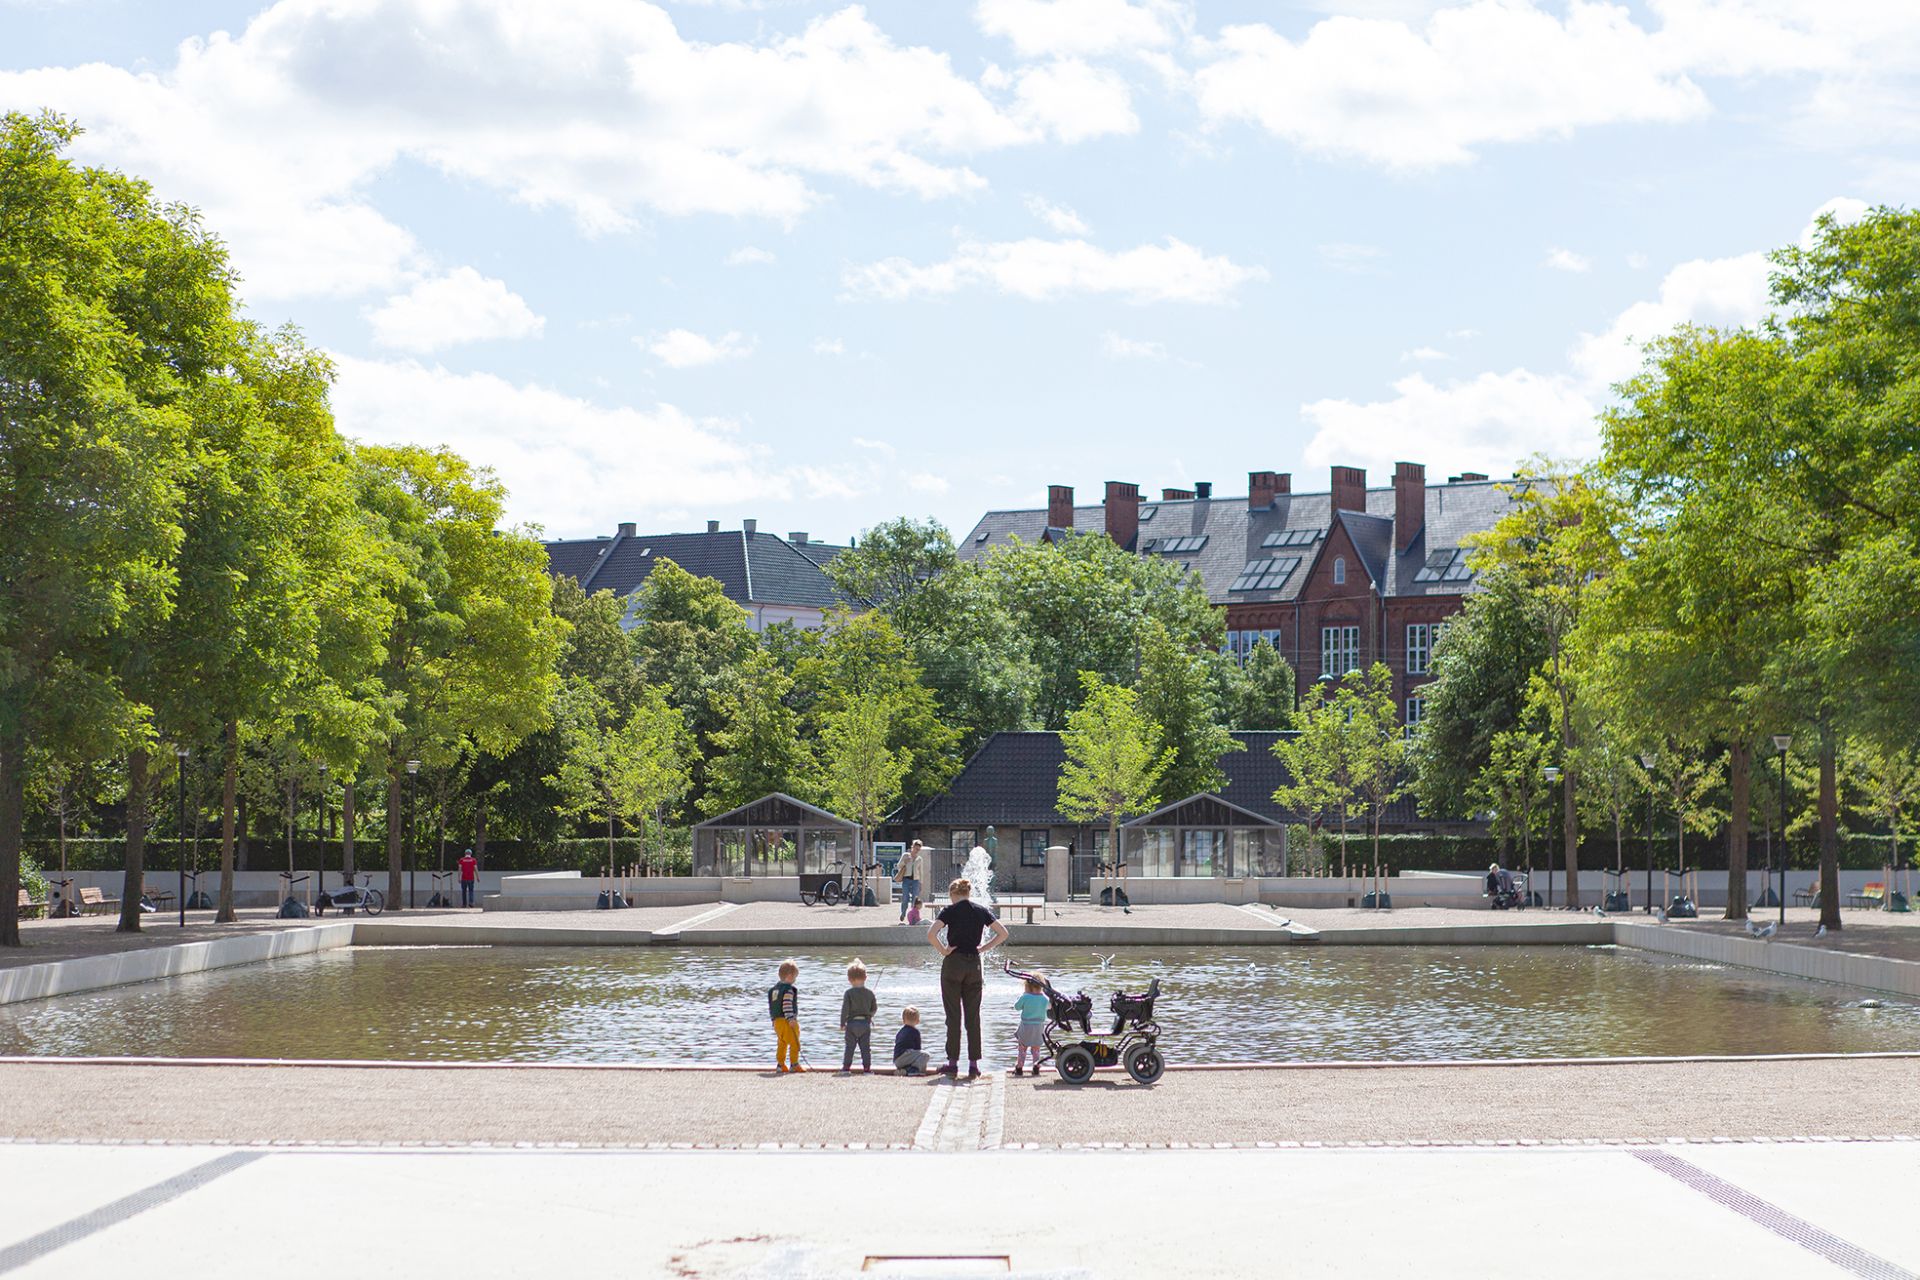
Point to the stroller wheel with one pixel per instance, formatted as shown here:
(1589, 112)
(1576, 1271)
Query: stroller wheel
(1075, 1065)
(1144, 1063)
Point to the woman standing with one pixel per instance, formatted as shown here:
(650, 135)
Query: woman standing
(908, 876)
(971, 931)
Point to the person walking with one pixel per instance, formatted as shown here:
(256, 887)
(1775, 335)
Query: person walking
(971, 932)
(907, 874)
(469, 873)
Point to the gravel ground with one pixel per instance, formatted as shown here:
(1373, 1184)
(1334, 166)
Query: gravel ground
(1696, 1099)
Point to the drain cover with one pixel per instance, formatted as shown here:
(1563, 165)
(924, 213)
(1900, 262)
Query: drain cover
(943, 1264)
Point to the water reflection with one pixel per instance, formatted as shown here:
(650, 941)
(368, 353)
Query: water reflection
(643, 1004)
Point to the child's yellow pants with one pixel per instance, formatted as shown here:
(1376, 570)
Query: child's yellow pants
(786, 1035)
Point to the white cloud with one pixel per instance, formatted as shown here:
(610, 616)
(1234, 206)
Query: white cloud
(1568, 260)
(461, 306)
(574, 466)
(1486, 423)
(685, 349)
(878, 446)
(1721, 292)
(1424, 354)
(926, 482)
(1637, 261)
(605, 110)
(1361, 259)
(1058, 218)
(1463, 335)
(749, 256)
(1042, 270)
(1072, 101)
(1415, 97)
(829, 347)
(1116, 347)
(1083, 28)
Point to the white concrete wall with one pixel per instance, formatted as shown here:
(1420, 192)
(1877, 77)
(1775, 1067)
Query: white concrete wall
(1878, 973)
(265, 888)
(63, 977)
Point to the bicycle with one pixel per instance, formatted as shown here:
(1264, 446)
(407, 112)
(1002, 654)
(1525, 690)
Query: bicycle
(823, 887)
(349, 896)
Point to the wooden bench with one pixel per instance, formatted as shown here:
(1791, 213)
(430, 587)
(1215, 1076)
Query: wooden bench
(1027, 902)
(93, 901)
(1807, 897)
(29, 906)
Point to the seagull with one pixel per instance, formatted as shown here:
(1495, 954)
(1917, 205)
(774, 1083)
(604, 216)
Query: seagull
(1869, 1004)
(1659, 915)
(1598, 912)
(1821, 932)
(1763, 932)
(1105, 961)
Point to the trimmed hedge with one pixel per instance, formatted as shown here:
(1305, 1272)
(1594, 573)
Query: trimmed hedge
(1859, 851)
(502, 855)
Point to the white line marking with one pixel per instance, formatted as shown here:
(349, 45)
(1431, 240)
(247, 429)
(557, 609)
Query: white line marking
(711, 913)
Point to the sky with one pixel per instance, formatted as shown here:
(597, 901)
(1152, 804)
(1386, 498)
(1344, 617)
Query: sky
(820, 264)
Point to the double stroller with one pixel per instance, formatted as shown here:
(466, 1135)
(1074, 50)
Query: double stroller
(1077, 1049)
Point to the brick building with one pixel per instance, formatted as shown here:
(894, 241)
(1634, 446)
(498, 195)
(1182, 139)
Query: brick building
(1335, 579)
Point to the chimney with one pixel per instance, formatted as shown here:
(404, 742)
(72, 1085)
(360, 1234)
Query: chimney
(713, 526)
(1264, 486)
(1123, 512)
(1349, 489)
(798, 539)
(748, 526)
(1465, 476)
(628, 529)
(1409, 503)
(1203, 490)
(1059, 506)
(1175, 495)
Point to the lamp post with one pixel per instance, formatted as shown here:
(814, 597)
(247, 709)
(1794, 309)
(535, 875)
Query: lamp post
(413, 812)
(1647, 761)
(180, 755)
(1552, 775)
(320, 835)
(1781, 741)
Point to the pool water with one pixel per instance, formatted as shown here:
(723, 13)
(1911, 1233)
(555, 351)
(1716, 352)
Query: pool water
(702, 1005)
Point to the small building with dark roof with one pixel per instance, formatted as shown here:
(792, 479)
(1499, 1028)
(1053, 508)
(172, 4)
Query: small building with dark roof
(1011, 788)
(1333, 580)
(774, 579)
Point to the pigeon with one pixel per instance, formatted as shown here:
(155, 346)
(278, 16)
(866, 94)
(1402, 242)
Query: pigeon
(1598, 912)
(1659, 915)
(1105, 961)
(1821, 932)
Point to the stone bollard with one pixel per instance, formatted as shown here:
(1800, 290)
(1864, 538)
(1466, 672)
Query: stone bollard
(1059, 875)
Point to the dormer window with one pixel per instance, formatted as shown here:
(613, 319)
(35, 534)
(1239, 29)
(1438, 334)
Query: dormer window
(1339, 571)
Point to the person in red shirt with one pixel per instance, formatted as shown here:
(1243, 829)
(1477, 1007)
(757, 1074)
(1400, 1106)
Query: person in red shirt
(469, 871)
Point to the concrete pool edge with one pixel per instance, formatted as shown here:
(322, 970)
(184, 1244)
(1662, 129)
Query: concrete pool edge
(1781, 959)
(93, 973)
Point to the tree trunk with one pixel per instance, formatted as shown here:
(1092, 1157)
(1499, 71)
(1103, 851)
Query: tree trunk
(241, 845)
(480, 830)
(13, 806)
(1829, 834)
(134, 885)
(1569, 806)
(393, 840)
(229, 789)
(293, 825)
(346, 832)
(1740, 782)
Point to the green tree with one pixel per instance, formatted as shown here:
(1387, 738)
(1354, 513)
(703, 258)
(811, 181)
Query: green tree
(1176, 692)
(1267, 694)
(1374, 742)
(1887, 783)
(688, 638)
(1114, 758)
(470, 657)
(1558, 539)
(757, 748)
(1319, 771)
(1083, 604)
(1615, 784)
(860, 658)
(862, 773)
(655, 749)
(1482, 665)
(1514, 790)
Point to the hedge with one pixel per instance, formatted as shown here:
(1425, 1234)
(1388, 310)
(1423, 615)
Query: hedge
(93, 854)
(1859, 851)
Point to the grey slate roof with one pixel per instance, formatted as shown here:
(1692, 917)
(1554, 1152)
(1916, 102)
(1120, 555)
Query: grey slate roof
(757, 568)
(1236, 536)
(1013, 780)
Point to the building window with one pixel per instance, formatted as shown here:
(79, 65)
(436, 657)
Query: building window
(1419, 647)
(1416, 707)
(1339, 650)
(1339, 571)
(1033, 848)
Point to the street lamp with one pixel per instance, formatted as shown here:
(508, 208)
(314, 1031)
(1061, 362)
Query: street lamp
(1647, 760)
(180, 755)
(413, 813)
(1781, 741)
(320, 835)
(1552, 774)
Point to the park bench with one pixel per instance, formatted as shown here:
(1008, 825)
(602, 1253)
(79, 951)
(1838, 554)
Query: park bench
(93, 901)
(1027, 902)
(1870, 895)
(30, 906)
(1807, 897)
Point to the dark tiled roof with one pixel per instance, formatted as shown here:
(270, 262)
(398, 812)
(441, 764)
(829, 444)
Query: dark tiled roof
(1014, 779)
(758, 568)
(1236, 536)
